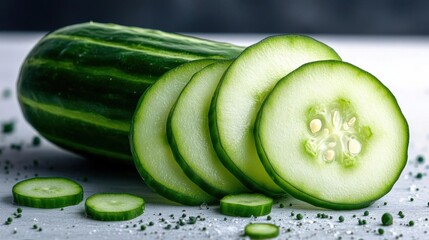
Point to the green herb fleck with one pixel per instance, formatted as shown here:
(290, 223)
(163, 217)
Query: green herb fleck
(19, 210)
(420, 159)
(366, 213)
(299, 216)
(362, 222)
(192, 220)
(269, 218)
(341, 219)
(411, 223)
(142, 227)
(387, 219)
(35, 226)
(6, 93)
(381, 231)
(36, 141)
(281, 205)
(8, 127)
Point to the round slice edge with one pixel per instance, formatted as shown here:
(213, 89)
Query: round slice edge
(332, 135)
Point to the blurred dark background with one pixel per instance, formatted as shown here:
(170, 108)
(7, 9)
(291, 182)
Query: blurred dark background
(244, 16)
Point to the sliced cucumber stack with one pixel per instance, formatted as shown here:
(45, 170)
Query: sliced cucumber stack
(246, 205)
(114, 206)
(332, 135)
(47, 192)
(240, 94)
(189, 134)
(152, 154)
(261, 230)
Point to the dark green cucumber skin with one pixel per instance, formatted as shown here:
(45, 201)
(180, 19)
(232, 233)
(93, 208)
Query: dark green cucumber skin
(298, 194)
(100, 70)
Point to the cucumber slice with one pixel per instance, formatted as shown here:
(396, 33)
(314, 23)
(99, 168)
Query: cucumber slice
(261, 230)
(114, 206)
(47, 192)
(189, 135)
(152, 154)
(241, 93)
(246, 205)
(332, 135)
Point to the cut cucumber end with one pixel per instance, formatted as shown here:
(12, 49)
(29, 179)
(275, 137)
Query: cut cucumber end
(47, 192)
(246, 205)
(242, 91)
(261, 230)
(325, 128)
(114, 206)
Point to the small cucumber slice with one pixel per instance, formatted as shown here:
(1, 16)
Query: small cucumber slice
(189, 134)
(333, 135)
(47, 192)
(114, 206)
(151, 152)
(261, 230)
(240, 94)
(246, 205)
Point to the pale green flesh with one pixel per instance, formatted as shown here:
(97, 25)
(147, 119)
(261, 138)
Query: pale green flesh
(152, 153)
(190, 130)
(47, 188)
(242, 91)
(247, 200)
(284, 128)
(261, 230)
(114, 203)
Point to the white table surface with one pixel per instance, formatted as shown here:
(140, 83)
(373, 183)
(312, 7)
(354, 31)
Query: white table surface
(401, 63)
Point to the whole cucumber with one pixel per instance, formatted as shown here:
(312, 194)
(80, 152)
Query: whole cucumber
(79, 85)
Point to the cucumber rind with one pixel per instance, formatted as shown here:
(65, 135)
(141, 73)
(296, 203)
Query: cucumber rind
(101, 70)
(246, 205)
(261, 230)
(305, 196)
(219, 190)
(26, 199)
(184, 198)
(105, 215)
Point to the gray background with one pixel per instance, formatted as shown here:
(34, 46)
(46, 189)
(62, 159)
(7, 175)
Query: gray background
(254, 16)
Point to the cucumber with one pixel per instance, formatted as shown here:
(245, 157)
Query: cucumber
(47, 192)
(246, 205)
(114, 206)
(337, 124)
(79, 86)
(149, 144)
(261, 230)
(240, 94)
(189, 135)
